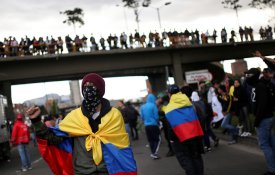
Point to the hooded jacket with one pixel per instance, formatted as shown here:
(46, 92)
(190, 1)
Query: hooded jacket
(20, 133)
(149, 111)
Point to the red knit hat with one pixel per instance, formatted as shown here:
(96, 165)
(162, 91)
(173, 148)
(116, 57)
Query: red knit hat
(97, 81)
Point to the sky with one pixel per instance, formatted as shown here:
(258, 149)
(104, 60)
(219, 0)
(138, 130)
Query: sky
(42, 18)
(104, 17)
(116, 88)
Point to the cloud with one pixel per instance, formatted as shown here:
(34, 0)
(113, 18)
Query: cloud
(42, 18)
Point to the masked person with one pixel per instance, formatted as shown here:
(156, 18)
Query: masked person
(90, 139)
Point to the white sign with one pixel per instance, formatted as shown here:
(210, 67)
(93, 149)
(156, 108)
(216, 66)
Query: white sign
(197, 76)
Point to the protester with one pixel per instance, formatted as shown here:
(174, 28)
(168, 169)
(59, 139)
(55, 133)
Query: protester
(125, 114)
(269, 61)
(20, 137)
(200, 109)
(31, 129)
(217, 110)
(186, 132)
(49, 121)
(133, 119)
(99, 143)
(150, 118)
(162, 102)
(241, 100)
(226, 102)
(264, 121)
(206, 93)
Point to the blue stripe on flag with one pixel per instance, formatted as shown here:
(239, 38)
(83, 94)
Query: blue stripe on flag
(181, 116)
(118, 160)
(66, 145)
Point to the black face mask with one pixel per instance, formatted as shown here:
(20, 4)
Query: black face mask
(91, 99)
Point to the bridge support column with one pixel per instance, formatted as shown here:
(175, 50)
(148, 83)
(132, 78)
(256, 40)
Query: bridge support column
(177, 69)
(5, 89)
(158, 82)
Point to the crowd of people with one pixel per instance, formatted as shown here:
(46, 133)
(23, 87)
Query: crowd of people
(10, 46)
(192, 113)
(92, 133)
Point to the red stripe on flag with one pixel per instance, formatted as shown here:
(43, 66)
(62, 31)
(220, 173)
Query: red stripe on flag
(188, 130)
(58, 160)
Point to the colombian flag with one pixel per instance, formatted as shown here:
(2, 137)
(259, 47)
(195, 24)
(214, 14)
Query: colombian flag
(182, 117)
(58, 157)
(110, 142)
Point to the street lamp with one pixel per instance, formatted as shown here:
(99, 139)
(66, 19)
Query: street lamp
(158, 8)
(125, 16)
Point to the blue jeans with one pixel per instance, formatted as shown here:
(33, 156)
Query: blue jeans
(266, 139)
(24, 155)
(226, 124)
(128, 130)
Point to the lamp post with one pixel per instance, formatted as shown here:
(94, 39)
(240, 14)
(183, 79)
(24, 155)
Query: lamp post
(165, 4)
(125, 16)
(233, 4)
(166, 67)
(158, 8)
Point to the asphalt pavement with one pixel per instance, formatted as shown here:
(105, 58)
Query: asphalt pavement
(238, 159)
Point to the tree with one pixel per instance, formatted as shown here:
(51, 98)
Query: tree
(264, 4)
(74, 17)
(135, 4)
(54, 108)
(232, 4)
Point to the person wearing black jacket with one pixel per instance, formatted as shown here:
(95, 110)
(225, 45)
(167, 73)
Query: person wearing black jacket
(133, 120)
(264, 121)
(241, 100)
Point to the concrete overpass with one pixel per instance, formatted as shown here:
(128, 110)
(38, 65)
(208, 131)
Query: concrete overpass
(147, 61)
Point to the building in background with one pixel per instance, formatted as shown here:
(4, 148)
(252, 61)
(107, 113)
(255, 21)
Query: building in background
(238, 67)
(76, 98)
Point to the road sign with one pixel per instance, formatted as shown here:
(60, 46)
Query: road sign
(197, 76)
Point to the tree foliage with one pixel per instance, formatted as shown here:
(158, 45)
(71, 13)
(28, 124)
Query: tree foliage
(262, 4)
(74, 16)
(135, 3)
(54, 108)
(232, 4)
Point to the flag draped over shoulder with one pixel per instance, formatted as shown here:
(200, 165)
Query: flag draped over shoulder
(110, 141)
(182, 117)
(58, 157)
